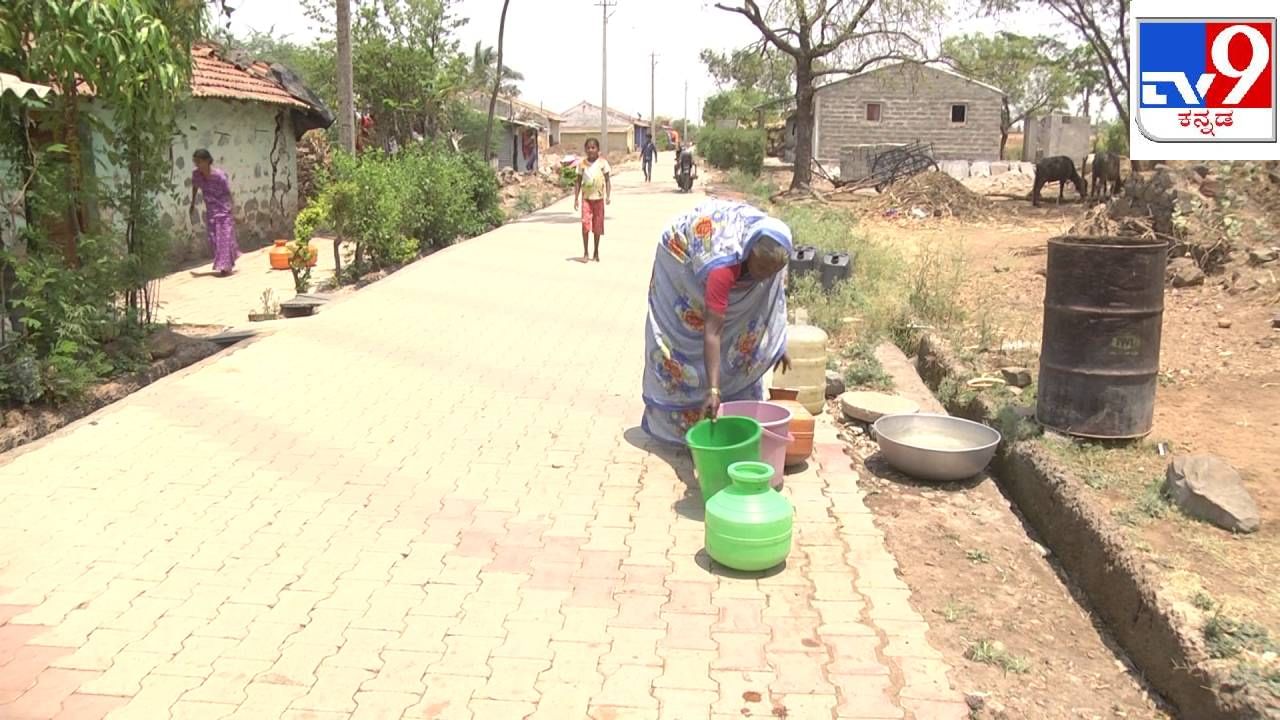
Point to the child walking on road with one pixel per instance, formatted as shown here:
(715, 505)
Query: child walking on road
(596, 189)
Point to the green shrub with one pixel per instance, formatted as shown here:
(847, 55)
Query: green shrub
(730, 148)
(397, 206)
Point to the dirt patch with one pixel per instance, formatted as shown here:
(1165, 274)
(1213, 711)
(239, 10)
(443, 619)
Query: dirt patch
(171, 350)
(1209, 662)
(523, 193)
(1018, 642)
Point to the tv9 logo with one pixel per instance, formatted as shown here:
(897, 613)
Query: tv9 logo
(1203, 81)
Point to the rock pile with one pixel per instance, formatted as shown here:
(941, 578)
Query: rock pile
(1214, 215)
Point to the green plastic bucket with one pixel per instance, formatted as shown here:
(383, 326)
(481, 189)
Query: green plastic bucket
(718, 444)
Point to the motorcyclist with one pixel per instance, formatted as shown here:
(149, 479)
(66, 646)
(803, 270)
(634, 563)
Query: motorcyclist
(685, 161)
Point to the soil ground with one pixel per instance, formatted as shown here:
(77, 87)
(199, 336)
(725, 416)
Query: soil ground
(998, 607)
(1219, 393)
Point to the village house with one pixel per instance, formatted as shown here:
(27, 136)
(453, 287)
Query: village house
(249, 115)
(903, 103)
(582, 121)
(526, 131)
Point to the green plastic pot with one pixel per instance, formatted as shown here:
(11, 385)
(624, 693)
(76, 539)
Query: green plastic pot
(748, 524)
(717, 444)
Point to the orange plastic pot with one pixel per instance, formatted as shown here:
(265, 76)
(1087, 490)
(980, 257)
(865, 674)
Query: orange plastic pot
(280, 255)
(802, 422)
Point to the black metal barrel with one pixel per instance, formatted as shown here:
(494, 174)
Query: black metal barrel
(1100, 356)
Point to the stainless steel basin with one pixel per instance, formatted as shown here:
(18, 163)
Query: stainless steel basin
(937, 448)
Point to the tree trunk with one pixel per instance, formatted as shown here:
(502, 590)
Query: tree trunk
(346, 89)
(802, 176)
(71, 128)
(497, 79)
(1006, 123)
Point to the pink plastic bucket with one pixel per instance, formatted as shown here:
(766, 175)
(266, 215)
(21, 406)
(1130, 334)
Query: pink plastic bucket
(776, 422)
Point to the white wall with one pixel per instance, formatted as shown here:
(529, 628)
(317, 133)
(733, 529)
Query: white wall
(253, 143)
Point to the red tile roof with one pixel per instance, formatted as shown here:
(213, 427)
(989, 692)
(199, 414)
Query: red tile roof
(214, 77)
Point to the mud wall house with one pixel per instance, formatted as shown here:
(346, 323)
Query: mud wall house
(525, 131)
(249, 115)
(905, 102)
(582, 121)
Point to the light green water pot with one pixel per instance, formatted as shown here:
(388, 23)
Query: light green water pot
(748, 524)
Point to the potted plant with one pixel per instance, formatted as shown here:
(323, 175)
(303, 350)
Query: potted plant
(270, 309)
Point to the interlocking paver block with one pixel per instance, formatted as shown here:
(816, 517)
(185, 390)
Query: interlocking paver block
(490, 530)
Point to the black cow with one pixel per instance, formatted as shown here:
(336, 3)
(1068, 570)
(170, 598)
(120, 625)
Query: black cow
(1106, 175)
(1059, 169)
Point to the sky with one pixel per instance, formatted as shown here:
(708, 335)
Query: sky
(556, 44)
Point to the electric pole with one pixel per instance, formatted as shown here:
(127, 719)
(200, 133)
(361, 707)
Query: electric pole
(686, 112)
(604, 74)
(653, 121)
(346, 99)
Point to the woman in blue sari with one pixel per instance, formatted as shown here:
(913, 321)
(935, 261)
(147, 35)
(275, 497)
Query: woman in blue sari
(717, 314)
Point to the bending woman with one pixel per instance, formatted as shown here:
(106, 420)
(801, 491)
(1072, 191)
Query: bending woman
(717, 314)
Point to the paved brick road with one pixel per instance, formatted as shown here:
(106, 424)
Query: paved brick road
(431, 501)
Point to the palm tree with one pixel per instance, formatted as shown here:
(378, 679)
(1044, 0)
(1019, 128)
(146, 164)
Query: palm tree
(483, 61)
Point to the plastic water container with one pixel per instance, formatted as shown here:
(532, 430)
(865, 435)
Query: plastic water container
(775, 424)
(807, 348)
(804, 260)
(748, 524)
(801, 426)
(717, 444)
(835, 269)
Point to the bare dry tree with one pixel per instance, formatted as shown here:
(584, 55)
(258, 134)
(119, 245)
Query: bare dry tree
(829, 37)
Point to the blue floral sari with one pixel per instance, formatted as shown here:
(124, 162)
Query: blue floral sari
(716, 234)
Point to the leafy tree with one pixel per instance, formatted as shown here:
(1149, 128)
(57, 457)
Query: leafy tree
(1103, 25)
(1087, 77)
(408, 68)
(736, 104)
(134, 56)
(825, 37)
(1032, 71)
(765, 70)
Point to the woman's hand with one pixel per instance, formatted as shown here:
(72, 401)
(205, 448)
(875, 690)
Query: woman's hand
(711, 408)
(784, 362)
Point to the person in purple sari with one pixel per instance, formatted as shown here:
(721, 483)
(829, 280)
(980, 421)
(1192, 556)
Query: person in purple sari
(219, 216)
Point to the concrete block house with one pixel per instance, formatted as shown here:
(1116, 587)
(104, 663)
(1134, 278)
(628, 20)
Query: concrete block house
(905, 102)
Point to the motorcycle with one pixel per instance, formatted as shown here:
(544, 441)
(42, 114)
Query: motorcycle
(685, 174)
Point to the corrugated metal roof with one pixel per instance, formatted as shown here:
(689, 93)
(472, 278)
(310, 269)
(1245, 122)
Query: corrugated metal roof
(214, 77)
